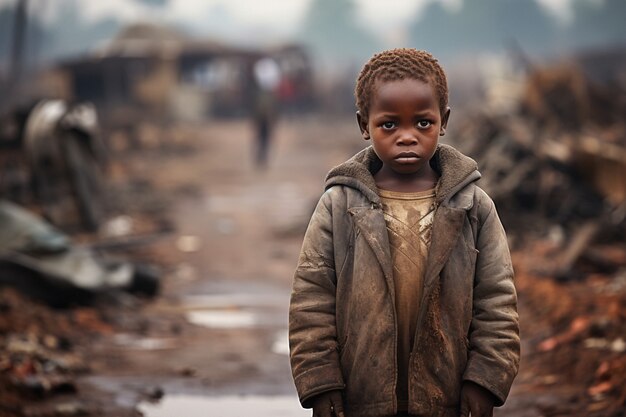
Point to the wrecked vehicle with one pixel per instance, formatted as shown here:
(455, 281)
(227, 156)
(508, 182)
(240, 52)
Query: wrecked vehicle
(53, 153)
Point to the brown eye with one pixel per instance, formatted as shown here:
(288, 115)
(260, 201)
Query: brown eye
(424, 124)
(388, 125)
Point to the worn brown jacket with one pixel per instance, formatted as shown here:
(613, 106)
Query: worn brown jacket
(342, 324)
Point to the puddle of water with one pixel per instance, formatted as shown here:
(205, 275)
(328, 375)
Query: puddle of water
(237, 310)
(229, 406)
(144, 343)
(201, 301)
(222, 319)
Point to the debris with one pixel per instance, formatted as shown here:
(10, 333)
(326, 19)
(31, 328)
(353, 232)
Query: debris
(187, 372)
(188, 243)
(154, 393)
(61, 157)
(618, 345)
(22, 231)
(40, 260)
(117, 226)
(578, 244)
(601, 388)
(558, 161)
(71, 409)
(577, 327)
(42, 386)
(556, 170)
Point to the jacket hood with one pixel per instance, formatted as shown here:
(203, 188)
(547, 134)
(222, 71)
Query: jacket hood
(456, 171)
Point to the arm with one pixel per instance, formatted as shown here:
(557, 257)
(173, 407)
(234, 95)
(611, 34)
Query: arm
(312, 330)
(494, 331)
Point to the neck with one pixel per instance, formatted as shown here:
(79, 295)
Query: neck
(423, 180)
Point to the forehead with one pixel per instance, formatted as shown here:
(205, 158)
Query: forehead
(408, 91)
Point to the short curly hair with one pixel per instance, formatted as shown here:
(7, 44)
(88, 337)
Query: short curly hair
(400, 64)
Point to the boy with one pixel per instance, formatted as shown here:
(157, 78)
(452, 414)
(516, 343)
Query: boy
(403, 300)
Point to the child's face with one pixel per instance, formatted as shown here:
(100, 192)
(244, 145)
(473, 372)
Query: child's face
(404, 125)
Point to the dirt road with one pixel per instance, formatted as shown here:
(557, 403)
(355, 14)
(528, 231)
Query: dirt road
(230, 263)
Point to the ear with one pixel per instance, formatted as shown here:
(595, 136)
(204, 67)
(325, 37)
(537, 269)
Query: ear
(444, 121)
(362, 121)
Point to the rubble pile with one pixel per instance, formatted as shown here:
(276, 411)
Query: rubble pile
(40, 354)
(575, 334)
(556, 169)
(63, 297)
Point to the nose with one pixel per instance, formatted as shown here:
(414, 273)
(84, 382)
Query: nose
(406, 137)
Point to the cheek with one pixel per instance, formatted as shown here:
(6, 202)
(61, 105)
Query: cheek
(380, 149)
(432, 139)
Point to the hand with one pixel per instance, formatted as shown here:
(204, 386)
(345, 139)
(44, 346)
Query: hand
(476, 401)
(328, 404)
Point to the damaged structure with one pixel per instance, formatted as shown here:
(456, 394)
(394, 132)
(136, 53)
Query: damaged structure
(149, 71)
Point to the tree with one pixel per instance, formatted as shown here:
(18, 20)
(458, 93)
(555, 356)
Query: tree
(70, 35)
(435, 30)
(483, 25)
(331, 30)
(597, 24)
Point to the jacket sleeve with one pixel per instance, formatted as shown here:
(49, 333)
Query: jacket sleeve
(312, 330)
(494, 332)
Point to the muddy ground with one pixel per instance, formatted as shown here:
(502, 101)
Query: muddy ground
(214, 341)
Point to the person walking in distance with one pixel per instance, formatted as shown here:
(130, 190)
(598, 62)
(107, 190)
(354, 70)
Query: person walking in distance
(266, 78)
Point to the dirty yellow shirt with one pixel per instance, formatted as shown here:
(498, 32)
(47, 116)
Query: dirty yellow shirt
(409, 218)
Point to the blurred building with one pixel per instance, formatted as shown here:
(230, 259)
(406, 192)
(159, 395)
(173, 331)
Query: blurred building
(150, 71)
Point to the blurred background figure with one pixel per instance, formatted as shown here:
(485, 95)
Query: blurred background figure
(267, 77)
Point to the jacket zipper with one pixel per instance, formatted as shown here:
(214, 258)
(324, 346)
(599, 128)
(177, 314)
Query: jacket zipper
(378, 206)
(420, 319)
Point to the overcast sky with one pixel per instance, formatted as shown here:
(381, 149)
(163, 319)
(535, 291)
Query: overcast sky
(281, 16)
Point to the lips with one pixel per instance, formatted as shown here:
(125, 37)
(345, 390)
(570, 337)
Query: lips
(407, 155)
(407, 158)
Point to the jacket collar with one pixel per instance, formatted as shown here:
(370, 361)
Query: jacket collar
(456, 170)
